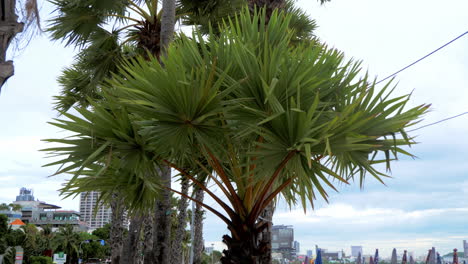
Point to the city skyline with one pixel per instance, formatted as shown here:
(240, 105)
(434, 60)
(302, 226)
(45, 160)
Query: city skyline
(423, 204)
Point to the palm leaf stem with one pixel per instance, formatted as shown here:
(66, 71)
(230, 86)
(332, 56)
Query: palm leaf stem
(226, 207)
(261, 198)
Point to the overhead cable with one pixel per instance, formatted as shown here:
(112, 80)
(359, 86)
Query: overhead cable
(441, 47)
(440, 121)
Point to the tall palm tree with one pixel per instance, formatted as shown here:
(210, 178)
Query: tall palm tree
(259, 116)
(102, 55)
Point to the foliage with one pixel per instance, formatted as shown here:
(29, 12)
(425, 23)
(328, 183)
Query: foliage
(68, 241)
(41, 260)
(91, 247)
(256, 115)
(102, 232)
(9, 257)
(214, 257)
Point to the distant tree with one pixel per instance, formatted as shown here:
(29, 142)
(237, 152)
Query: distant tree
(4, 207)
(15, 207)
(103, 232)
(68, 241)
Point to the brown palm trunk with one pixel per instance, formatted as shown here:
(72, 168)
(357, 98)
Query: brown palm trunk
(180, 233)
(9, 27)
(117, 229)
(198, 229)
(245, 248)
(162, 222)
(265, 236)
(269, 5)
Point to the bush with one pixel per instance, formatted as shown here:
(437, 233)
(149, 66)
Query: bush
(41, 260)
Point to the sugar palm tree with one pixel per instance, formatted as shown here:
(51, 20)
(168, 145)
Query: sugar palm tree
(259, 116)
(100, 58)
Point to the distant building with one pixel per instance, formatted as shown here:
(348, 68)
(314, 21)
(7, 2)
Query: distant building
(297, 247)
(310, 253)
(25, 195)
(330, 255)
(88, 202)
(355, 250)
(16, 224)
(41, 213)
(283, 241)
(11, 215)
(465, 248)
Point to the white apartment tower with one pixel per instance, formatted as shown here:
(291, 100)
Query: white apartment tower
(88, 201)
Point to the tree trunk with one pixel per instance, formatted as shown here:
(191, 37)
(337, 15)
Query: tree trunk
(117, 229)
(129, 250)
(198, 245)
(265, 236)
(180, 233)
(244, 249)
(269, 5)
(148, 224)
(9, 27)
(167, 24)
(162, 222)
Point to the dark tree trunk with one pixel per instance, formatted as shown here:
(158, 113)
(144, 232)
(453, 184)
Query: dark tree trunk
(198, 245)
(265, 236)
(117, 229)
(269, 5)
(9, 27)
(180, 233)
(148, 224)
(162, 222)
(246, 248)
(129, 251)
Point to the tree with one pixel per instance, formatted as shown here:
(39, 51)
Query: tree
(69, 242)
(260, 117)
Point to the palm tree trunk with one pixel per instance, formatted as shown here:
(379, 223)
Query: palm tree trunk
(162, 222)
(9, 27)
(129, 250)
(180, 233)
(117, 229)
(269, 5)
(198, 245)
(167, 24)
(148, 223)
(265, 236)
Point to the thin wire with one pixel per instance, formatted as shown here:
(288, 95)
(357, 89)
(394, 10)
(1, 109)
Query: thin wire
(441, 47)
(440, 121)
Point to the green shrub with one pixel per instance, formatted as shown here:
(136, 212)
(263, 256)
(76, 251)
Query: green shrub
(41, 260)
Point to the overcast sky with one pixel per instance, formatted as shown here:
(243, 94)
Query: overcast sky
(425, 204)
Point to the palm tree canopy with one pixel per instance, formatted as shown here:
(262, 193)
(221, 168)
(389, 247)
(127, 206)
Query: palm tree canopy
(257, 115)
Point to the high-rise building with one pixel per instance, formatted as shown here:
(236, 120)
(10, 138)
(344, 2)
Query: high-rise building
(465, 248)
(355, 250)
(283, 241)
(88, 202)
(310, 253)
(297, 247)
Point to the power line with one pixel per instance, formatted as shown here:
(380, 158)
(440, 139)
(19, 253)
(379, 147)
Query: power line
(441, 47)
(440, 121)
